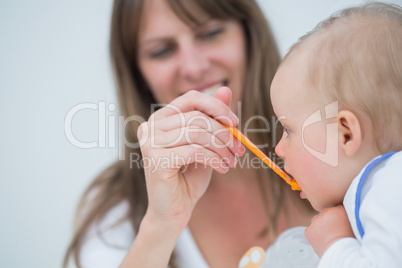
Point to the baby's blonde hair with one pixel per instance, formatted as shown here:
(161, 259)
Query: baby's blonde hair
(355, 57)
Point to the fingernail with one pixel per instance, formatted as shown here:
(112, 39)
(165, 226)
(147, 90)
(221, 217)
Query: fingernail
(234, 118)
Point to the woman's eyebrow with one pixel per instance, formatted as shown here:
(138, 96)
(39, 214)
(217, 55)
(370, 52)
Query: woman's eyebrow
(193, 28)
(202, 23)
(143, 44)
(154, 40)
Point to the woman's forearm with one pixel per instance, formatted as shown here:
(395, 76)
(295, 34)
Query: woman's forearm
(152, 246)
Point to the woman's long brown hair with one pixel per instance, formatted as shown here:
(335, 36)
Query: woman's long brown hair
(120, 182)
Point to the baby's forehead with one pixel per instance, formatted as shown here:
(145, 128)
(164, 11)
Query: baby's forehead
(293, 78)
(313, 58)
(296, 65)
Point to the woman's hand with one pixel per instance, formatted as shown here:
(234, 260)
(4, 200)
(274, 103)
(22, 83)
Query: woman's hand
(328, 227)
(181, 144)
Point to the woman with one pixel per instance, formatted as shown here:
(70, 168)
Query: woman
(174, 51)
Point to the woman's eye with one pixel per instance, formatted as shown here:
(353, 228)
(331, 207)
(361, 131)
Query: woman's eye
(211, 33)
(161, 52)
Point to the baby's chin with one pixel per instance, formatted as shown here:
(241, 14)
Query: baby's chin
(317, 206)
(321, 207)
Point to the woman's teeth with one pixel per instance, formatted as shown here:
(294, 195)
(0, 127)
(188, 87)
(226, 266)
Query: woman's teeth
(211, 90)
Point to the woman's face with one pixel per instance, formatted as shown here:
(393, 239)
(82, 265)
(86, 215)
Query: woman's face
(175, 57)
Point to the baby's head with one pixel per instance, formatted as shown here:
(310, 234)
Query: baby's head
(337, 93)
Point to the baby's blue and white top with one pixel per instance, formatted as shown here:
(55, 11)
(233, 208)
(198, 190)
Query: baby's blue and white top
(379, 241)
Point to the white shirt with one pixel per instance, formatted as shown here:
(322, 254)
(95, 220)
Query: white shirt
(107, 244)
(381, 218)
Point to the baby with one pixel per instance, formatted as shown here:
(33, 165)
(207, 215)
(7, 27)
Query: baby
(338, 96)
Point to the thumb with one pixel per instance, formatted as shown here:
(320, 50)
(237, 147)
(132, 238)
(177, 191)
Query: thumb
(224, 94)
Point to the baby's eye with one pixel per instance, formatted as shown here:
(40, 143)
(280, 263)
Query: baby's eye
(286, 130)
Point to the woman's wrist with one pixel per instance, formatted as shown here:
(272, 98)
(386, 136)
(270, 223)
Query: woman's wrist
(152, 224)
(160, 236)
(154, 238)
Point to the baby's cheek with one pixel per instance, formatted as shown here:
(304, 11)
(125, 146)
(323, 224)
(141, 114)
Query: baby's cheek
(314, 137)
(313, 183)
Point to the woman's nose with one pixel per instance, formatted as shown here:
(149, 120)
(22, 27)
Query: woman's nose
(193, 63)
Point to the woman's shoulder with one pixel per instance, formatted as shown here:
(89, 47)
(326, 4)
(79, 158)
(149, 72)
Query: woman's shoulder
(96, 207)
(107, 240)
(109, 233)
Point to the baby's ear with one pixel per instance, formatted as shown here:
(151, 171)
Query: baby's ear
(350, 135)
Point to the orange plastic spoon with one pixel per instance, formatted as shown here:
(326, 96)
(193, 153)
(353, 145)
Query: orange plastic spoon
(243, 139)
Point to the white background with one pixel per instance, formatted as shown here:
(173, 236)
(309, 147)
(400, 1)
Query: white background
(53, 56)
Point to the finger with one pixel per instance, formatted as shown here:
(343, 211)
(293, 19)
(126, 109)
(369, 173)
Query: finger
(181, 120)
(196, 119)
(194, 100)
(175, 158)
(224, 94)
(196, 136)
(316, 217)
